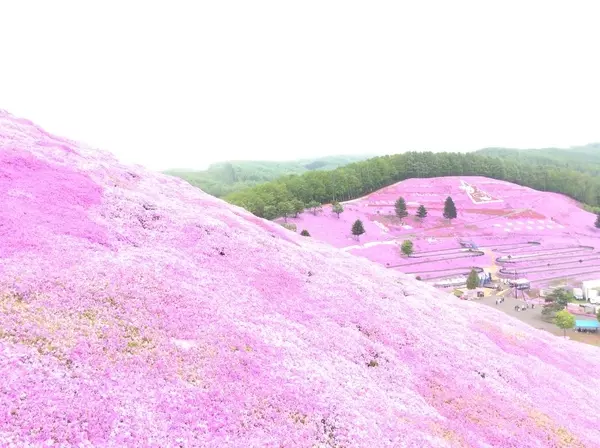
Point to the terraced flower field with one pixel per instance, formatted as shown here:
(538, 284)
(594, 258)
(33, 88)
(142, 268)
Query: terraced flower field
(550, 235)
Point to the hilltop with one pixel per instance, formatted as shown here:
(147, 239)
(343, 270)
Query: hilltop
(139, 311)
(359, 179)
(228, 177)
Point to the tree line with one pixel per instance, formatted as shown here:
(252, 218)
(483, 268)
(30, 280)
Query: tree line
(223, 178)
(358, 179)
(585, 159)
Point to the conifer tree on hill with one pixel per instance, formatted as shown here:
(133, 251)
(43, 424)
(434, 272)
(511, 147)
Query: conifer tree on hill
(421, 212)
(449, 209)
(473, 279)
(400, 207)
(598, 221)
(358, 228)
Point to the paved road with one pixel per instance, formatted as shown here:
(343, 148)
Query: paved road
(530, 316)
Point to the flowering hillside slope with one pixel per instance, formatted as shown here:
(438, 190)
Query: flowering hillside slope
(499, 217)
(136, 310)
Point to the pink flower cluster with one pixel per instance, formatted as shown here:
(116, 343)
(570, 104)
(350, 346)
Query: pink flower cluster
(136, 310)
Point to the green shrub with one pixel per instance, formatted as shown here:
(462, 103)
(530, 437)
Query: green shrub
(289, 225)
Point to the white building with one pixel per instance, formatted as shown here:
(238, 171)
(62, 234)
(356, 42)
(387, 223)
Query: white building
(521, 283)
(590, 290)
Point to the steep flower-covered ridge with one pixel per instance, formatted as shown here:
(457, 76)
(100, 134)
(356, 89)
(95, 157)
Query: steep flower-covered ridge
(136, 310)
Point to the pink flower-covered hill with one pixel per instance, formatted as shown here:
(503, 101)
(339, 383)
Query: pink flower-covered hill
(498, 217)
(136, 310)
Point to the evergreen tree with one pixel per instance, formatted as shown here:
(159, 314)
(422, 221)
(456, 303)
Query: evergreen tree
(304, 233)
(337, 208)
(473, 279)
(421, 212)
(449, 209)
(598, 221)
(407, 248)
(400, 207)
(358, 228)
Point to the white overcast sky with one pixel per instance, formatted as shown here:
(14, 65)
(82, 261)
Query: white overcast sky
(182, 84)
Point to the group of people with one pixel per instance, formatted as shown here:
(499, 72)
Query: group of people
(524, 307)
(517, 307)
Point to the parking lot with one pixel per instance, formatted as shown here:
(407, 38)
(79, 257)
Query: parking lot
(533, 317)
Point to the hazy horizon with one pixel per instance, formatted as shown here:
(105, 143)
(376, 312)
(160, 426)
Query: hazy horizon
(275, 160)
(187, 85)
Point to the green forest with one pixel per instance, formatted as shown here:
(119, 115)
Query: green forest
(224, 178)
(585, 159)
(546, 173)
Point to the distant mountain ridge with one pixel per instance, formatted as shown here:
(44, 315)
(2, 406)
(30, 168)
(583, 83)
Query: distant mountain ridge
(590, 148)
(584, 158)
(224, 178)
(227, 177)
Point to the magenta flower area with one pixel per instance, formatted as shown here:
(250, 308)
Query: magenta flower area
(553, 236)
(137, 311)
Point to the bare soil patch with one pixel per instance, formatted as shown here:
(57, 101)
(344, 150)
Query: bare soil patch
(527, 214)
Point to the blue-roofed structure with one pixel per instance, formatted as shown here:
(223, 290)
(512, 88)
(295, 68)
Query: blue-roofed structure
(587, 325)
